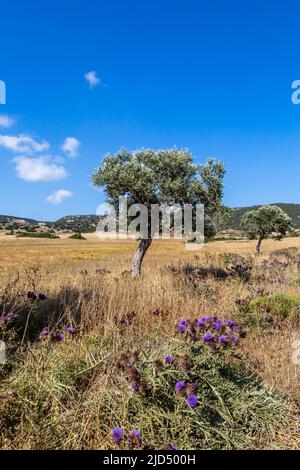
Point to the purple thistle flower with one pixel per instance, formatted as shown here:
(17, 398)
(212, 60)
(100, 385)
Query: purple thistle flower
(223, 339)
(58, 336)
(233, 337)
(230, 323)
(202, 321)
(42, 297)
(171, 447)
(70, 329)
(134, 387)
(192, 401)
(117, 435)
(44, 333)
(169, 359)
(217, 324)
(208, 338)
(182, 326)
(135, 437)
(180, 386)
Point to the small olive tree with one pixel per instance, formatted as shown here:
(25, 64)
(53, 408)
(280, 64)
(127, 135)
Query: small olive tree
(266, 221)
(161, 177)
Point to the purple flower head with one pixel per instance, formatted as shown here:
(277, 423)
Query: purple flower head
(208, 338)
(233, 337)
(223, 340)
(171, 447)
(45, 332)
(230, 323)
(134, 387)
(217, 324)
(42, 297)
(70, 329)
(156, 311)
(202, 321)
(117, 434)
(182, 326)
(135, 438)
(169, 359)
(58, 336)
(192, 401)
(180, 386)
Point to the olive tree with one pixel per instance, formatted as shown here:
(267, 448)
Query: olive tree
(167, 177)
(264, 222)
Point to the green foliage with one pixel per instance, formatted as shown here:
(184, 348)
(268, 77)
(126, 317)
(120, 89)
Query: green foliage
(77, 236)
(292, 210)
(36, 235)
(69, 389)
(266, 221)
(267, 311)
(162, 177)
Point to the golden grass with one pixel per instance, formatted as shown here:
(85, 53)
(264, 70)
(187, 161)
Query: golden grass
(53, 266)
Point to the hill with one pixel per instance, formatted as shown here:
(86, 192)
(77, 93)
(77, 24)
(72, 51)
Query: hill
(293, 211)
(9, 219)
(88, 223)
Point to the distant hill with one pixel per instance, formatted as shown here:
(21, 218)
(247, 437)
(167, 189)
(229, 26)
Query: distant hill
(9, 219)
(292, 210)
(77, 223)
(88, 223)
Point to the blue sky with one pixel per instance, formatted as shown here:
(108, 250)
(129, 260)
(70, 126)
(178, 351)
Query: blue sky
(211, 76)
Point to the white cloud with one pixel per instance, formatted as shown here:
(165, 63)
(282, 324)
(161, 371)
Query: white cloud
(92, 78)
(23, 143)
(39, 169)
(59, 196)
(6, 121)
(71, 146)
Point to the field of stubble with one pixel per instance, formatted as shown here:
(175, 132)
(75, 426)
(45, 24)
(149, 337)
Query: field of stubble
(89, 349)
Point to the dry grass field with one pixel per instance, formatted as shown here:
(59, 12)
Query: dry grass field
(70, 391)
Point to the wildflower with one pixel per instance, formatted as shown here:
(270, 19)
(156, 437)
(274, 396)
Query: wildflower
(233, 337)
(180, 386)
(117, 435)
(217, 324)
(171, 447)
(156, 311)
(31, 295)
(58, 336)
(44, 333)
(202, 321)
(42, 297)
(192, 401)
(230, 323)
(134, 387)
(223, 340)
(182, 326)
(135, 438)
(169, 359)
(208, 338)
(9, 316)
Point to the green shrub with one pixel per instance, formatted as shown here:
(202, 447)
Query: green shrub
(80, 393)
(77, 236)
(264, 311)
(36, 235)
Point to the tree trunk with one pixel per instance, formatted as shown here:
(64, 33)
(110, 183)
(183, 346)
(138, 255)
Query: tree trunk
(258, 246)
(139, 255)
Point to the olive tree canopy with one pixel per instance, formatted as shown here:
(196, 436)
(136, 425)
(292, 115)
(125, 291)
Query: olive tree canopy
(264, 222)
(161, 177)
